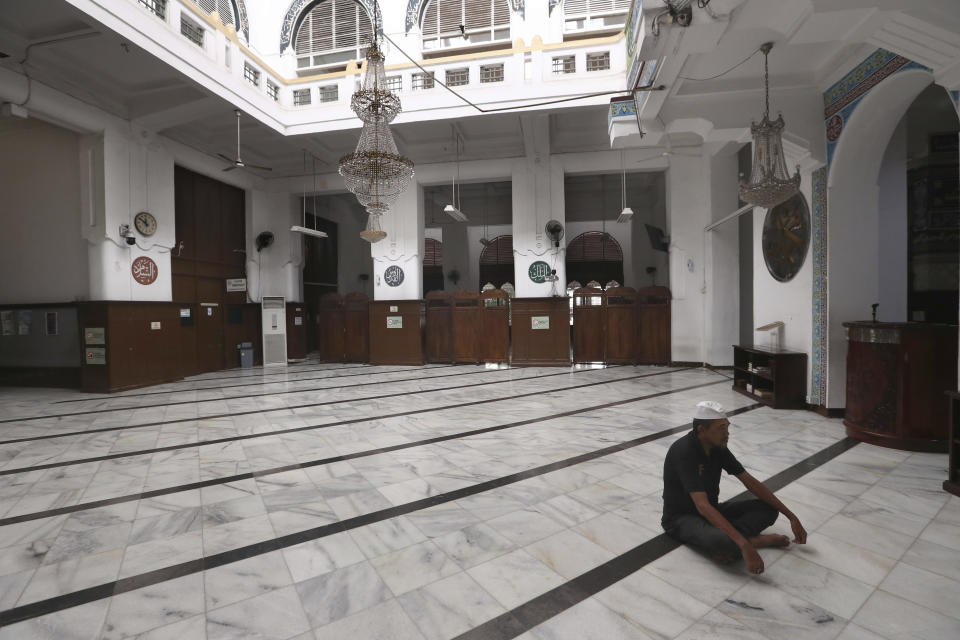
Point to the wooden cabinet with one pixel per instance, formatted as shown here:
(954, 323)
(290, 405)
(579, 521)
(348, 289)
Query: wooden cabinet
(356, 332)
(541, 331)
(952, 483)
(395, 335)
(774, 377)
(439, 327)
(331, 321)
(897, 374)
(466, 326)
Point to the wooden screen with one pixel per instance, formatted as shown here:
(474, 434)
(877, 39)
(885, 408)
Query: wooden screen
(541, 331)
(621, 333)
(495, 326)
(331, 340)
(395, 335)
(439, 327)
(466, 326)
(653, 322)
(589, 325)
(356, 335)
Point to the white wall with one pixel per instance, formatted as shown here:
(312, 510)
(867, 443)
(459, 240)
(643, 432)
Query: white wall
(44, 259)
(722, 308)
(892, 264)
(277, 270)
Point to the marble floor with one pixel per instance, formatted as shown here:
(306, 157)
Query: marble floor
(327, 501)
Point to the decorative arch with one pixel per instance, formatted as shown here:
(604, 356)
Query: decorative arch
(415, 11)
(299, 8)
(432, 253)
(496, 261)
(594, 255)
(239, 17)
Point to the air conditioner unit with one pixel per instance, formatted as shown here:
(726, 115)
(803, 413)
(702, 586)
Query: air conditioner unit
(274, 323)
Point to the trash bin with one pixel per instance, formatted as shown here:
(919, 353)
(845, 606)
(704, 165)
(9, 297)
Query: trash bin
(246, 354)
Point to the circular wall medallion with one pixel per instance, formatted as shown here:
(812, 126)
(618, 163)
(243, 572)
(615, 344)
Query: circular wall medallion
(786, 238)
(539, 271)
(393, 276)
(144, 270)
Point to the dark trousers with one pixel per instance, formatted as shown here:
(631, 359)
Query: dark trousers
(749, 517)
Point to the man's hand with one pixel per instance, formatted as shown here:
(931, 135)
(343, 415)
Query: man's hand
(752, 558)
(799, 533)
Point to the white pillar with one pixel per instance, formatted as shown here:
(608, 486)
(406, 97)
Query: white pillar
(402, 250)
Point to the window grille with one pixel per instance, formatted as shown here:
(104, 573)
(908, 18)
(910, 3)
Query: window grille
(224, 9)
(598, 61)
(491, 73)
(191, 30)
(423, 80)
(301, 97)
(251, 74)
(483, 21)
(273, 91)
(329, 93)
(565, 64)
(458, 77)
(583, 15)
(432, 253)
(394, 83)
(156, 7)
(333, 32)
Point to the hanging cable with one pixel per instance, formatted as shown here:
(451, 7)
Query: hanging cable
(723, 73)
(522, 106)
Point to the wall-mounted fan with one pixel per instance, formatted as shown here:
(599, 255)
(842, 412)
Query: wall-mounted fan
(554, 231)
(263, 240)
(238, 163)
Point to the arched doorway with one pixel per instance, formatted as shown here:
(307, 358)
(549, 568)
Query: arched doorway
(496, 262)
(856, 197)
(594, 256)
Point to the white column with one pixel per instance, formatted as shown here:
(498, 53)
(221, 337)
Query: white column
(401, 250)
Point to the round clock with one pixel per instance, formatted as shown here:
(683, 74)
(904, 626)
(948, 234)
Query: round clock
(786, 238)
(146, 224)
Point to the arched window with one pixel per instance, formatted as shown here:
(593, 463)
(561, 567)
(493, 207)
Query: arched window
(594, 256)
(226, 9)
(496, 261)
(483, 20)
(432, 265)
(594, 15)
(331, 34)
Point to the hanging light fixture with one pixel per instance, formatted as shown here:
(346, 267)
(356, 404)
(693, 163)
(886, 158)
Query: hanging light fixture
(376, 173)
(626, 213)
(373, 232)
(769, 184)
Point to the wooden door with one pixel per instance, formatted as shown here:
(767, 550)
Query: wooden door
(439, 327)
(589, 325)
(356, 334)
(495, 326)
(466, 327)
(621, 330)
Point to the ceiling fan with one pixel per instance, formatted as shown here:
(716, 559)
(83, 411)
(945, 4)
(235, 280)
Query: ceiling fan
(691, 151)
(238, 163)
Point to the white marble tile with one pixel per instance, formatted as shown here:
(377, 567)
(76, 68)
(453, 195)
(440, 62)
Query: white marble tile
(515, 577)
(474, 545)
(895, 618)
(76, 623)
(833, 591)
(882, 541)
(244, 579)
(698, 576)
(613, 532)
(568, 553)
(849, 559)
(944, 534)
(414, 567)
(275, 615)
(72, 575)
(340, 593)
(935, 558)
(588, 620)
(155, 606)
(450, 607)
(780, 616)
(658, 608)
(190, 629)
(388, 535)
(385, 621)
(716, 626)
(317, 557)
(856, 632)
(924, 588)
(525, 526)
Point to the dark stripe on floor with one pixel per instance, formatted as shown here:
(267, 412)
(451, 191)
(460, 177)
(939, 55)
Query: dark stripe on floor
(540, 609)
(245, 395)
(123, 585)
(253, 384)
(286, 408)
(83, 506)
(248, 436)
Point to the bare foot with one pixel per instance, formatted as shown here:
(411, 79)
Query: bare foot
(769, 540)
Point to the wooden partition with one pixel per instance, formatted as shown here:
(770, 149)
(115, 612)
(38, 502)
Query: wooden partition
(242, 325)
(541, 331)
(296, 331)
(439, 326)
(653, 322)
(589, 324)
(621, 335)
(494, 342)
(395, 335)
(356, 333)
(331, 319)
(467, 322)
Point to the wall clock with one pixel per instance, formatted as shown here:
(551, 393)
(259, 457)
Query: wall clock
(786, 238)
(146, 224)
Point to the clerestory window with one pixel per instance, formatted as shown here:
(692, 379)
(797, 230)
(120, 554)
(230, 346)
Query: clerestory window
(594, 15)
(332, 33)
(224, 8)
(483, 21)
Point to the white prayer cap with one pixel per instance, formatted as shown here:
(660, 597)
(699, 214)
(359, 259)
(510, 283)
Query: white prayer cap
(710, 410)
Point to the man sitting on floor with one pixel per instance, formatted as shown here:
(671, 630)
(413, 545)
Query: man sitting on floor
(691, 489)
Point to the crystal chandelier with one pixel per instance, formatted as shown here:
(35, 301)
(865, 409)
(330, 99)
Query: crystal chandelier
(376, 173)
(769, 184)
(373, 232)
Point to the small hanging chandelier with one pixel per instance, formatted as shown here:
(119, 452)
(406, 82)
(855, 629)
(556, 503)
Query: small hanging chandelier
(376, 173)
(769, 184)
(373, 233)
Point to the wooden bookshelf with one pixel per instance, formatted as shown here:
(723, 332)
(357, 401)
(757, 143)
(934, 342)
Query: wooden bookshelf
(774, 377)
